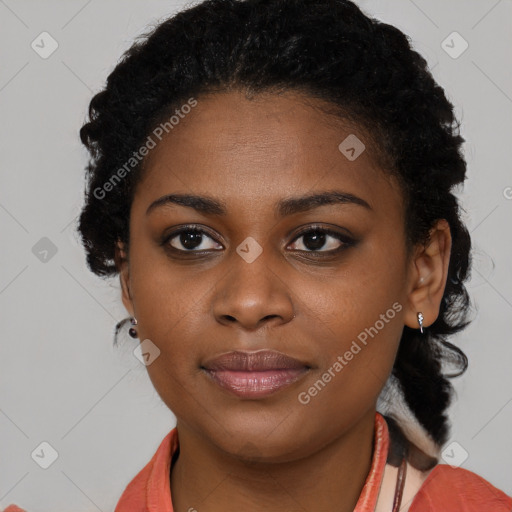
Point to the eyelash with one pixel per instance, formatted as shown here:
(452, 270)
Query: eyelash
(346, 240)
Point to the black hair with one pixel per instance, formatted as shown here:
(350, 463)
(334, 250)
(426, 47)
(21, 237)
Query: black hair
(328, 49)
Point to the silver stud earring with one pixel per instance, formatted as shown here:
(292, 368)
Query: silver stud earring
(420, 322)
(133, 332)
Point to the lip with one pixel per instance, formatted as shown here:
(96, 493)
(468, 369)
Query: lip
(255, 374)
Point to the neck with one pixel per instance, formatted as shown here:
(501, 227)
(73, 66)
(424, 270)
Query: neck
(206, 479)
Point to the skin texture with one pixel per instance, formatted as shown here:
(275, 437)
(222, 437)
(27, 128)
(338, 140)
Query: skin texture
(273, 453)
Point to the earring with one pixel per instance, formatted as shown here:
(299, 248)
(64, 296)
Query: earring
(420, 322)
(132, 332)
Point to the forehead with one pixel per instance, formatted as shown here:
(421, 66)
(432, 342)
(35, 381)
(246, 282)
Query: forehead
(263, 148)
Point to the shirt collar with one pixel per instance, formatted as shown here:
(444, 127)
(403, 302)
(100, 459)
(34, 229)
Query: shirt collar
(158, 495)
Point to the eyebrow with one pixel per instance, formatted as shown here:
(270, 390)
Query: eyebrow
(289, 206)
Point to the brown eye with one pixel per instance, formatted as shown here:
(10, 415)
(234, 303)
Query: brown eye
(190, 239)
(321, 240)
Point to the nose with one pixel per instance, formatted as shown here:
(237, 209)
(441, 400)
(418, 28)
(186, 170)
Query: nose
(252, 295)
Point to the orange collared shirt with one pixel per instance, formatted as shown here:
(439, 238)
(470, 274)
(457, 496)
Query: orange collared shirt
(442, 489)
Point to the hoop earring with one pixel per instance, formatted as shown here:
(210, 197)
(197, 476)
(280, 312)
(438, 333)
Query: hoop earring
(420, 322)
(133, 332)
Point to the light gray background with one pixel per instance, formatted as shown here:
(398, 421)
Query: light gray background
(61, 380)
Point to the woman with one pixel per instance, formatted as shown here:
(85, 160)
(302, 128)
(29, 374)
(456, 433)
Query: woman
(272, 182)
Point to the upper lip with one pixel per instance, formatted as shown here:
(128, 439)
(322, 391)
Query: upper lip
(261, 360)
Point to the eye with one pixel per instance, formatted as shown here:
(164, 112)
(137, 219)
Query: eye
(191, 239)
(317, 238)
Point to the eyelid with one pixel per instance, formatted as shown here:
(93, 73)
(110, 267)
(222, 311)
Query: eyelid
(329, 231)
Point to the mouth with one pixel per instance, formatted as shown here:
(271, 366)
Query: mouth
(254, 374)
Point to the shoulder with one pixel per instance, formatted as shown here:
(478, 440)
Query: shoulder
(457, 489)
(133, 497)
(152, 481)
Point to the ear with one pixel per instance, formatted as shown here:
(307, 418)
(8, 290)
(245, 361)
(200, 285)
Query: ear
(428, 274)
(123, 267)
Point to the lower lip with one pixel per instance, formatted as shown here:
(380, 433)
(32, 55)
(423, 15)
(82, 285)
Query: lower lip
(255, 384)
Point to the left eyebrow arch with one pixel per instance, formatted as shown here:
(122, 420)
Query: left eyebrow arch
(293, 205)
(285, 207)
(202, 204)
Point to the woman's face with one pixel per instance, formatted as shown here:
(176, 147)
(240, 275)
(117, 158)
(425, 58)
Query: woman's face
(254, 280)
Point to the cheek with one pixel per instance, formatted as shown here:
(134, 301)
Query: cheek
(165, 296)
(173, 310)
(358, 314)
(170, 312)
(356, 347)
(354, 297)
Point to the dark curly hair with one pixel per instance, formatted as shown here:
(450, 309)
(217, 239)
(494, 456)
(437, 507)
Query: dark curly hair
(365, 70)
